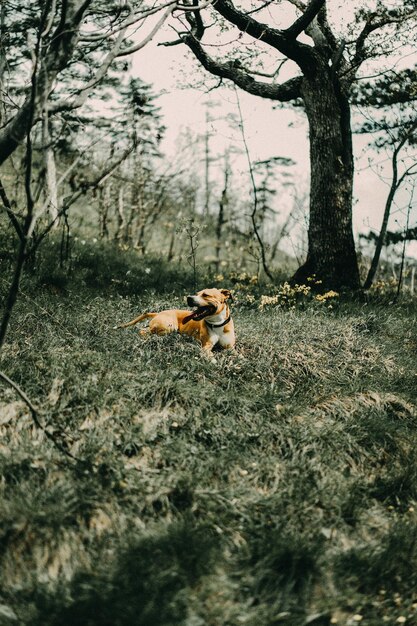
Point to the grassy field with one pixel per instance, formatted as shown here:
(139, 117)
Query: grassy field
(277, 485)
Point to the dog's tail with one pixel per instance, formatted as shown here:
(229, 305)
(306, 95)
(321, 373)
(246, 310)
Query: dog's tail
(144, 316)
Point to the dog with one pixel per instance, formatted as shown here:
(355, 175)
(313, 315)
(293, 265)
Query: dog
(210, 322)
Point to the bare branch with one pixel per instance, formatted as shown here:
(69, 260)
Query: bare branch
(22, 395)
(66, 104)
(196, 21)
(136, 17)
(323, 22)
(285, 92)
(305, 19)
(10, 212)
(193, 7)
(299, 4)
(69, 200)
(373, 22)
(149, 37)
(394, 186)
(34, 414)
(318, 29)
(255, 194)
(55, 59)
(278, 39)
(263, 6)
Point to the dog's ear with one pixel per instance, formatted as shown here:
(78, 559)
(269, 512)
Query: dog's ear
(227, 294)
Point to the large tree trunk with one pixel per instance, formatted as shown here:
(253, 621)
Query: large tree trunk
(331, 254)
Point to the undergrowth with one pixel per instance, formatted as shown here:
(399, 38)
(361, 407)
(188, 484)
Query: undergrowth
(276, 485)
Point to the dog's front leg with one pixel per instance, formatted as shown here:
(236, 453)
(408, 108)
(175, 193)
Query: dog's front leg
(207, 347)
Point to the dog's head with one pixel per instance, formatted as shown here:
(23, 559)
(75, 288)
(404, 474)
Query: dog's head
(208, 302)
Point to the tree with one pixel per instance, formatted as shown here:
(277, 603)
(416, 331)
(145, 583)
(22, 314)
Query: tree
(391, 121)
(406, 134)
(328, 64)
(66, 49)
(54, 54)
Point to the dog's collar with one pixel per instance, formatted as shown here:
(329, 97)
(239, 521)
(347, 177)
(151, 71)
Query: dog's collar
(226, 321)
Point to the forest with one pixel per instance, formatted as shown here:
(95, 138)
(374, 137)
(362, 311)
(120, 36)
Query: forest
(158, 478)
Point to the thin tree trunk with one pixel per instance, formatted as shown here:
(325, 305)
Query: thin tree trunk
(3, 60)
(255, 194)
(381, 237)
(207, 167)
(120, 216)
(50, 170)
(220, 218)
(403, 259)
(13, 290)
(103, 211)
(387, 211)
(171, 245)
(283, 233)
(140, 239)
(27, 228)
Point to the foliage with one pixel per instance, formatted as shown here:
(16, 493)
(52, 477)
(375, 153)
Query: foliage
(392, 238)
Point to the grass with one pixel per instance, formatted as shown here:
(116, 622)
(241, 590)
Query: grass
(275, 486)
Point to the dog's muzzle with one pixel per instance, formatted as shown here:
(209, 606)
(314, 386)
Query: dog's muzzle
(200, 310)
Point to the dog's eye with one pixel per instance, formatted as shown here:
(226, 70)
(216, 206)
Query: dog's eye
(205, 295)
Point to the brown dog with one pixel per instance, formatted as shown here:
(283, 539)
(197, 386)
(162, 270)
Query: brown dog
(210, 323)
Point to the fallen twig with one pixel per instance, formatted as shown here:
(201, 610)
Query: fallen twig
(35, 417)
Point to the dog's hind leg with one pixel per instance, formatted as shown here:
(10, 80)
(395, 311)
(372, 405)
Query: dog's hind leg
(163, 325)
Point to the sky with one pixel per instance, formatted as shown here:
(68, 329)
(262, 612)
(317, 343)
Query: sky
(269, 132)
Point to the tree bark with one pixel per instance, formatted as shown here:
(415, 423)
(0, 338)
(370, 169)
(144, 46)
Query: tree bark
(331, 249)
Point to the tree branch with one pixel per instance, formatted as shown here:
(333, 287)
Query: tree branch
(305, 19)
(302, 54)
(196, 21)
(372, 24)
(10, 212)
(66, 104)
(395, 184)
(34, 414)
(255, 194)
(149, 37)
(55, 59)
(285, 92)
(131, 20)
